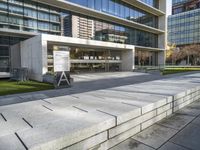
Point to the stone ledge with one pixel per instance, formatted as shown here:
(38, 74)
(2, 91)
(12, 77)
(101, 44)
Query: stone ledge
(99, 119)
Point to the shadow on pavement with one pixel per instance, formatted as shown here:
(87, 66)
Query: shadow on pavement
(81, 87)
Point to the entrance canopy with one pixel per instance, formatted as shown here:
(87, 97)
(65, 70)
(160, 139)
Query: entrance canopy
(36, 49)
(69, 41)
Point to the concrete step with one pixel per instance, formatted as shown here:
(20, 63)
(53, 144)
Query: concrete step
(94, 120)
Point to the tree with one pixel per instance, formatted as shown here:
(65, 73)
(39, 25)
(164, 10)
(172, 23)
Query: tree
(191, 53)
(170, 52)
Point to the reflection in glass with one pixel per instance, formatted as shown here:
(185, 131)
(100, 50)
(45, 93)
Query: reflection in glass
(145, 58)
(123, 10)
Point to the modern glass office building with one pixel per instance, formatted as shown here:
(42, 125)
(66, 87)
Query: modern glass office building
(184, 23)
(110, 25)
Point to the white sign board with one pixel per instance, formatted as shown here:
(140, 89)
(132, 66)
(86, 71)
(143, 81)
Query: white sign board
(61, 61)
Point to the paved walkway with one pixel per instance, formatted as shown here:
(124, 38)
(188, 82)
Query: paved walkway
(85, 83)
(89, 82)
(180, 131)
(103, 117)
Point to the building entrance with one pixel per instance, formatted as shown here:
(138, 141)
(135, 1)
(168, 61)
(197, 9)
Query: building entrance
(89, 60)
(146, 58)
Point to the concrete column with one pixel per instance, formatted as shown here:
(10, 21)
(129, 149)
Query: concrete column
(163, 5)
(161, 58)
(32, 57)
(162, 24)
(15, 56)
(162, 38)
(154, 59)
(128, 60)
(44, 57)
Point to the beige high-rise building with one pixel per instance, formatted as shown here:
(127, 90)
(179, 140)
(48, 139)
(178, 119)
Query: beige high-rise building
(78, 27)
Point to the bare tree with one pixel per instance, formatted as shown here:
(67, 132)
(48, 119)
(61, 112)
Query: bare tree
(191, 53)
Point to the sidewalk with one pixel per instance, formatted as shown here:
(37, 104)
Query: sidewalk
(84, 83)
(97, 119)
(90, 82)
(180, 131)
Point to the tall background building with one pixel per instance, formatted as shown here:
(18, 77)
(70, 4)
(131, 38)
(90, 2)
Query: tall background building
(184, 23)
(78, 27)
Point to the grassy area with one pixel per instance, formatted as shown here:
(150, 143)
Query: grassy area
(12, 87)
(167, 71)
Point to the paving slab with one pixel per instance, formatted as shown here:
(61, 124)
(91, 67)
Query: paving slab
(63, 133)
(197, 121)
(96, 76)
(147, 90)
(120, 138)
(190, 111)
(122, 112)
(10, 127)
(171, 146)
(1, 120)
(12, 112)
(10, 100)
(53, 116)
(130, 124)
(131, 144)
(90, 142)
(155, 135)
(63, 101)
(152, 121)
(112, 93)
(147, 102)
(177, 121)
(195, 105)
(11, 142)
(61, 121)
(189, 137)
(30, 97)
(170, 82)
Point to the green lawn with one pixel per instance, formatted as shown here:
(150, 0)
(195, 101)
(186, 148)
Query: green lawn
(167, 71)
(12, 87)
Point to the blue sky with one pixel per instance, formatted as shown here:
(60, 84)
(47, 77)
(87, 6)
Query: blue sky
(169, 7)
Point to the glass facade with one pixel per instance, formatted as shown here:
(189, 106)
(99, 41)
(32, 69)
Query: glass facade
(146, 58)
(5, 42)
(179, 6)
(121, 9)
(174, 2)
(88, 60)
(153, 3)
(29, 16)
(95, 60)
(184, 28)
(35, 17)
(106, 31)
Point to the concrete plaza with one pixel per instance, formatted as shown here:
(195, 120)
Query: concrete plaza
(101, 118)
(180, 131)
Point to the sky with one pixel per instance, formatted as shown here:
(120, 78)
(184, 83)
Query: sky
(169, 7)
